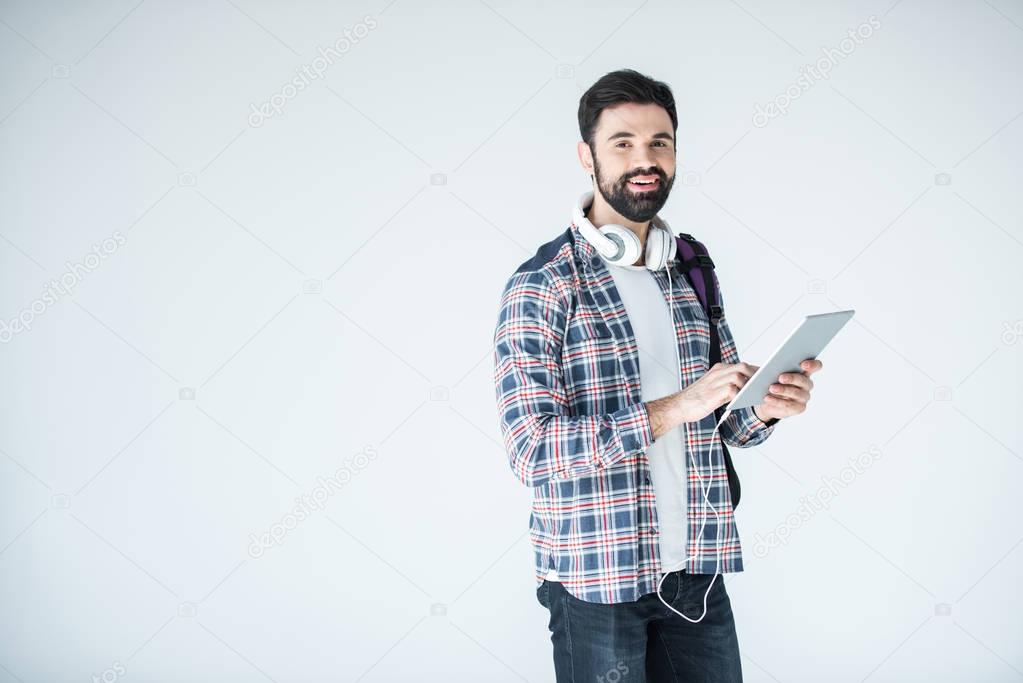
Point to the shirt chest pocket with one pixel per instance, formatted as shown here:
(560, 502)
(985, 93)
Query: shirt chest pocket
(589, 359)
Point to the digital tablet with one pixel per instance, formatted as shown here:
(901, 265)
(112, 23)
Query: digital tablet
(806, 341)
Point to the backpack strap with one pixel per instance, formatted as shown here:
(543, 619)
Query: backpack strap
(697, 267)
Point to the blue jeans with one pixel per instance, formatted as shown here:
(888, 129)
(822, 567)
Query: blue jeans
(644, 641)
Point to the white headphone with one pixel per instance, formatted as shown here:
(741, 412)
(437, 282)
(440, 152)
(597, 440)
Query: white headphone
(620, 246)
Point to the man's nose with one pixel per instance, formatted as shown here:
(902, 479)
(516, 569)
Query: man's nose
(642, 163)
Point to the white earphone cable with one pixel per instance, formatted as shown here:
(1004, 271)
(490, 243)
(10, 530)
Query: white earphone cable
(704, 490)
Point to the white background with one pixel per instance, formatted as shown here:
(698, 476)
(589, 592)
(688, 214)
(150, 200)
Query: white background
(325, 284)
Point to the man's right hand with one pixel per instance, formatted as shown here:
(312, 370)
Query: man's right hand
(716, 387)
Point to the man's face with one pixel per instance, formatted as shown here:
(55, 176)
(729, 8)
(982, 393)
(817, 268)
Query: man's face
(633, 143)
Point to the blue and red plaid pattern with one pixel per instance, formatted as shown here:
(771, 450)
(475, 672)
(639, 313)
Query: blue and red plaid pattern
(566, 371)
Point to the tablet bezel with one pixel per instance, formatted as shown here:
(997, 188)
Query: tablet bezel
(767, 374)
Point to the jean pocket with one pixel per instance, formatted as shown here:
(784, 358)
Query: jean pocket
(543, 594)
(692, 591)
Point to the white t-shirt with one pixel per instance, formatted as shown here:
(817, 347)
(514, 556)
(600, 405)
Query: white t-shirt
(650, 317)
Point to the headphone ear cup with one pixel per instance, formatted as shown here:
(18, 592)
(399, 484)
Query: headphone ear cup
(627, 241)
(659, 248)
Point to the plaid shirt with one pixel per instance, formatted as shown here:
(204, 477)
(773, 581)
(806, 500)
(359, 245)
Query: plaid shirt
(566, 370)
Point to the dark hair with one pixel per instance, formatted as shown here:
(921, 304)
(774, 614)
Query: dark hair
(620, 86)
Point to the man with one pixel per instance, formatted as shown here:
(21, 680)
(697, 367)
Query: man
(606, 405)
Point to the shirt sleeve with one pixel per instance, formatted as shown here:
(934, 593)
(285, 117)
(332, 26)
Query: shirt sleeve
(543, 440)
(742, 427)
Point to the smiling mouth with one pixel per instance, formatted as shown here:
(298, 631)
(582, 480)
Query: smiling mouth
(645, 183)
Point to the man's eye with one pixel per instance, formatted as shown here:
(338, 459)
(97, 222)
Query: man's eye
(659, 143)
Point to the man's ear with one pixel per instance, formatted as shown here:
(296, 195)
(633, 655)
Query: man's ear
(585, 157)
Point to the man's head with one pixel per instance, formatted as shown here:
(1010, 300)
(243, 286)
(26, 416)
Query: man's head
(628, 124)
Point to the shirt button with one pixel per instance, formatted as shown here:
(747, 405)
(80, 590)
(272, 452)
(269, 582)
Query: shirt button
(647, 480)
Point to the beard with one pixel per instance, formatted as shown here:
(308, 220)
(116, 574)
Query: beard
(635, 206)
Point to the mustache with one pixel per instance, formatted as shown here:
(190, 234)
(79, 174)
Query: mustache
(660, 174)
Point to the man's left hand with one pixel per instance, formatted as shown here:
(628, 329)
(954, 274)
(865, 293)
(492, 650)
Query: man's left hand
(788, 396)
